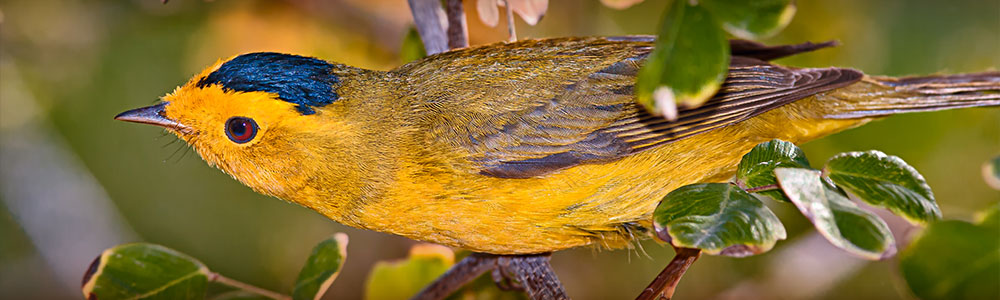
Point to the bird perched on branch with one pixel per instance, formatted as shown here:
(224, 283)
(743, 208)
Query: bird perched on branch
(514, 148)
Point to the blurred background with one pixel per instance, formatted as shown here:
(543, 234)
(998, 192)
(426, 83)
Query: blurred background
(75, 182)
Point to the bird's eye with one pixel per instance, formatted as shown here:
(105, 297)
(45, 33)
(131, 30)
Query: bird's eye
(241, 130)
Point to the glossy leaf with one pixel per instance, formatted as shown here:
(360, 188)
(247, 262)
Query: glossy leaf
(955, 260)
(884, 181)
(403, 279)
(719, 219)
(756, 169)
(412, 48)
(752, 19)
(145, 271)
(688, 63)
(321, 268)
(839, 220)
(991, 173)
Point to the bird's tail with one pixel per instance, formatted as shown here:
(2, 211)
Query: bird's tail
(881, 96)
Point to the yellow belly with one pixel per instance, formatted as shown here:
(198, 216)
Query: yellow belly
(606, 205)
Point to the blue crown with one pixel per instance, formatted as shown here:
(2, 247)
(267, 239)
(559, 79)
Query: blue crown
(305, 81)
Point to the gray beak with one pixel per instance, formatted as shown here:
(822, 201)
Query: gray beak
(153, 115)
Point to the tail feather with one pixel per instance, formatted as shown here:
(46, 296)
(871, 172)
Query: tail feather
(881, 96)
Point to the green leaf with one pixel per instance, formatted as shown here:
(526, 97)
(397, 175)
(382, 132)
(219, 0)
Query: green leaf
(954, 260)
(412, 48)
(752, 19)
(991, 173)
(145, 271)
(688, 64)
(884, 181)
(756, 169)
(718, 218)
(321, 268)
(990, 217)
(239, 295)
(839, 220)
(403, 279)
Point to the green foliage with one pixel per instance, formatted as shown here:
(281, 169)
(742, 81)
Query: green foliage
(688, 63)
(145, 271)
(756, 169)
(148, 271)
(884, 181)
(955, 259)
(752, 19)
(991, 172)
(696, 214)
(691, 56)
(403, 279)
(718, 218)
(321, 268)
(412, 48)
(839, 220)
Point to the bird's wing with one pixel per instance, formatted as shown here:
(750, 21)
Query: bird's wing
(591, 115)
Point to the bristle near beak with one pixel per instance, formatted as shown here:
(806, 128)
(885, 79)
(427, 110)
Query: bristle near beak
(153, 115)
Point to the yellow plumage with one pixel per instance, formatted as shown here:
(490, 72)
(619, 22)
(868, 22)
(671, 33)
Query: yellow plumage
(526, 147)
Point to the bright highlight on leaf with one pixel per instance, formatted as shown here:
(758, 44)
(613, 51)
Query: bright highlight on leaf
(955, 260)
(321, 268)
(839, 220)
(145, 271)
(885, 181)
(717, 218)
(991, 173)
(688, 63)
(403, 279)
(752, 19)
(756, 169)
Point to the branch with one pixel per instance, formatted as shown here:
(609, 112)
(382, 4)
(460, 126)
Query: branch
(666, 282)
(461, 273)
(458, 32)
(425, 15)
(512, 34)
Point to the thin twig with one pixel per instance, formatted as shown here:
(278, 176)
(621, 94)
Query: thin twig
(762, 188)
(425, 16)
(216, 277)
(458, 32)
(666, 282)
(512, 34)
(460, 274)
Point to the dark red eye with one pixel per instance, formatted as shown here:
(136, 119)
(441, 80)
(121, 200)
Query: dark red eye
(240, 129)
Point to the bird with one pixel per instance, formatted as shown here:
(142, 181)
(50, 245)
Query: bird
(515, 148)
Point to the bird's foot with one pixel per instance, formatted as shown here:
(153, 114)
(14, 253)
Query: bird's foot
(529, 273)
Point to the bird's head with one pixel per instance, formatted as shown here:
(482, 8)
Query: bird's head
(264, 118)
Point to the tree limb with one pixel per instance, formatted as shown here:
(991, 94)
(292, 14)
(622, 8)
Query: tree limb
(666, 282)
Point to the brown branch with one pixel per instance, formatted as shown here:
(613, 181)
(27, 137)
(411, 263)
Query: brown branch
(460, 274)
(762, 188)
(458, 32)
(666, 282)
(534, 275)
(512, 34)
(425, 16)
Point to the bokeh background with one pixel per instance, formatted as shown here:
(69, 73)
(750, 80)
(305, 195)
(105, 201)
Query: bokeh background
(74, 181)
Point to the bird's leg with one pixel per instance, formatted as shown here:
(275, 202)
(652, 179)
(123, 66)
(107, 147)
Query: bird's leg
(530, 273)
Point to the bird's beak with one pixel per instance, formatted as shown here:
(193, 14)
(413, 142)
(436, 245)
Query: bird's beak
(153, 115)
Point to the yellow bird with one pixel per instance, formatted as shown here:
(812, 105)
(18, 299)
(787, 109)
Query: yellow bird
(514, 148)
